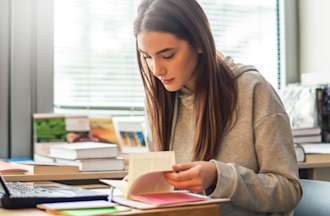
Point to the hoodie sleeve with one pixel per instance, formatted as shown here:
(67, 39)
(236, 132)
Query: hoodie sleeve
(275, 186)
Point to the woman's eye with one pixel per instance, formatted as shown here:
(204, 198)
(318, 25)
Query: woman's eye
(168, 56)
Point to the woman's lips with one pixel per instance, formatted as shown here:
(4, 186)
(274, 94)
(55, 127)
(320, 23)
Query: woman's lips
(168, 81)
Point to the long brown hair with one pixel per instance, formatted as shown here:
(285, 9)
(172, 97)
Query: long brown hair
(215, 92)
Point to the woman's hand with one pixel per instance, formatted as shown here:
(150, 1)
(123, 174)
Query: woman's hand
(195, 176)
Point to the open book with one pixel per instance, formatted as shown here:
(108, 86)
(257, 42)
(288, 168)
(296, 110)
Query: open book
(146, 186)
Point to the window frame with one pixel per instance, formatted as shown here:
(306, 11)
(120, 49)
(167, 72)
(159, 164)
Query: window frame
(26, 75)
(4, 77)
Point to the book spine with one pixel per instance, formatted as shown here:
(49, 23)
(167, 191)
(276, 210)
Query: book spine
(326, 115)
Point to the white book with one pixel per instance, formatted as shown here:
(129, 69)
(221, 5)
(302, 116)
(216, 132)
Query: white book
(84, 150)
(312, 148)
(43, 159)
(95, 164)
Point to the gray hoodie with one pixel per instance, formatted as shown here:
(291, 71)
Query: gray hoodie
(256, 163)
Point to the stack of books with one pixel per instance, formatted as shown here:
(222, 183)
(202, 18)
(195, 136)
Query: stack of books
(307, 135)
(88, 156)
(53, 129)
(308, 107)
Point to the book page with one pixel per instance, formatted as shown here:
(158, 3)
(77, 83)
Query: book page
(150, 162)
(149, 183)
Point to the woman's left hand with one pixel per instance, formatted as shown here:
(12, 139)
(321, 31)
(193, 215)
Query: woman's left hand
(195, 176)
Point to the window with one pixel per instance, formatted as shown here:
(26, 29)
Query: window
(95, 65)
(246, 31)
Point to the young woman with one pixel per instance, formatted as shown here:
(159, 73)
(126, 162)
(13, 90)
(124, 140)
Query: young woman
(227, 126)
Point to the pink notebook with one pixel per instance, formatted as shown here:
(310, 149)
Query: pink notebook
(169, 198)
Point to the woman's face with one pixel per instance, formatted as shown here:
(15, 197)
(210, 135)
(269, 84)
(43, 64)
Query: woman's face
(172, 60)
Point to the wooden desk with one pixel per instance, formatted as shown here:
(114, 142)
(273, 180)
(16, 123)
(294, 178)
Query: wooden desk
(315, 170)
(201, 210)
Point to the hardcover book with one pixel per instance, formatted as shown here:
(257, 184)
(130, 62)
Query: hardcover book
(84, 150)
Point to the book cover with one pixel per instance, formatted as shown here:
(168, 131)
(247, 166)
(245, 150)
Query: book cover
(49, 128)
(102, 129)
(130, 133)
(77, 128)
(301, 105)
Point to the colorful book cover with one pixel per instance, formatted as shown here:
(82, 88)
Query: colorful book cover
(77, 128)
(102, 129)
(130, 131)
(49, 128)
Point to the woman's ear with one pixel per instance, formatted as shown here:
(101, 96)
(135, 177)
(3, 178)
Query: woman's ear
(199, 51)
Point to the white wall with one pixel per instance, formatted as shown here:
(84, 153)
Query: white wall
(314, 36)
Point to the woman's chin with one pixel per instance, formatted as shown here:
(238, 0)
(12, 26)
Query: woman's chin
(172, 88)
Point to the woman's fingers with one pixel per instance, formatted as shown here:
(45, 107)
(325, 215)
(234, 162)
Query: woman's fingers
(192, 183)
(182, 166)
(183, 175)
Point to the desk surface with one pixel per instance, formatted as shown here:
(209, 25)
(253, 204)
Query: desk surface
(306, 165)
(200, 210)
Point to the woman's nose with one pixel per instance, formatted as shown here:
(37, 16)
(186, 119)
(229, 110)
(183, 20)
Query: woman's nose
(157, 68)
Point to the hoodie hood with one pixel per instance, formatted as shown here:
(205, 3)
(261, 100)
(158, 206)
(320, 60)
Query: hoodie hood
(237, 68)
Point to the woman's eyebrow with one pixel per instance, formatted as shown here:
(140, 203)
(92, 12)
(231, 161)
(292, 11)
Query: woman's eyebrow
(158, 52)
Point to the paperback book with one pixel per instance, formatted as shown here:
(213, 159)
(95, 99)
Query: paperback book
(147, 188)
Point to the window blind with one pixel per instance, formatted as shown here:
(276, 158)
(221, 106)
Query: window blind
(246, 31)
(94, 61)
(95, 64)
